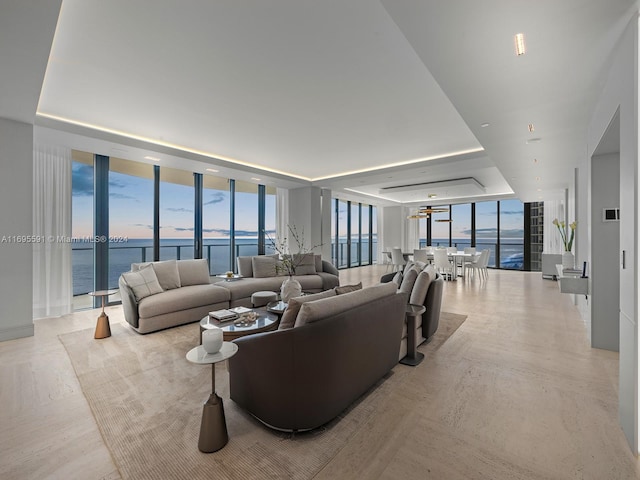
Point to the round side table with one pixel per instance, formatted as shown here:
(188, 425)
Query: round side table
(103, 330)
(213, 427)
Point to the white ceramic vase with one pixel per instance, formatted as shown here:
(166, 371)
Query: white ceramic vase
(212, 339)
(568, 260)
(290, 288)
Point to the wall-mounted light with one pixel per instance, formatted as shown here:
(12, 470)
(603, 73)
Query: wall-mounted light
(212, 170)
(149, 157)
(520, 48)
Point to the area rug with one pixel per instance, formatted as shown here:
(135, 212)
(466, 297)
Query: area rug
(147, 401)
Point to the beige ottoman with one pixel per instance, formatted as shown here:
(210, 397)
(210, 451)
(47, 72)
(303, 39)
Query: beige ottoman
(260, 299)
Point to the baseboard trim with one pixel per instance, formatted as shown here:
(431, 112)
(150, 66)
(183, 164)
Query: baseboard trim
(12, 333)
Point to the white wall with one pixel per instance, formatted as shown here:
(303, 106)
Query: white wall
(16, 275)
(605, 241)
(392, 227)
(305, 213)
(620, 91)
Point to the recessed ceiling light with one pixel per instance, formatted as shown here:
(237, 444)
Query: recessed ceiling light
(531, 127)
(485, 125)
(155, 159)
(534, 140)
(537, 179)
(520, 48)
(256, 179)
(212, 170)
(539, 189)
(432, 195)
(535, 160)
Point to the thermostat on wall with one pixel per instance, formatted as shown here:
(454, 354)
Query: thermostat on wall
(610, 214)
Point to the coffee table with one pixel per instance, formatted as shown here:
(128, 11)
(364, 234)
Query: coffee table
(213, 427)
(231, 330)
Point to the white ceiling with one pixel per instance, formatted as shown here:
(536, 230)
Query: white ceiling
(320, 90)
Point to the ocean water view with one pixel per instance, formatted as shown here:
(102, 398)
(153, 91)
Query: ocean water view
(122, 255)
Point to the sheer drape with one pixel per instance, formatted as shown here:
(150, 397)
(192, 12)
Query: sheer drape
(552, 242)
(412, 228)
(52, 282)
(282, 213)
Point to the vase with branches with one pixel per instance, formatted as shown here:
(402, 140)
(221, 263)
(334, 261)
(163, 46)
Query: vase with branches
(292, 253)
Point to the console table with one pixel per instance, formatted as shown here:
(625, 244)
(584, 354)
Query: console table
(572, 282)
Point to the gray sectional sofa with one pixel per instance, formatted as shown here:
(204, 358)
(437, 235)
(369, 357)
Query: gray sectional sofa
(300, 378)
(159, 295)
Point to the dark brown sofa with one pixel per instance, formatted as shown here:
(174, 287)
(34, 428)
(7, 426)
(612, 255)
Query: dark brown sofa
(301, 378)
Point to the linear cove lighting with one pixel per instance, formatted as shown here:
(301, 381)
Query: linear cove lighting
(520, 49)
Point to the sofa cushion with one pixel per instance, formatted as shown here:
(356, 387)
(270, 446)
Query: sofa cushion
(183, 298)
(421, 286)
(318, 261)
(167, 273)
(305, 263)
(194, 272)
(408, 279)
(289, 318)
(319, 309)
(244, 266)
(348, 288)
(264, 266)
(143, 282)
(397, 279)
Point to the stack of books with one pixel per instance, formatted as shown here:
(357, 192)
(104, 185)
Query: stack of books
(227, 314)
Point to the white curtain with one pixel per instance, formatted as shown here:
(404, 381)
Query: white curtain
(52, 283)
(552, 242)
(412, 226)
(282, 213)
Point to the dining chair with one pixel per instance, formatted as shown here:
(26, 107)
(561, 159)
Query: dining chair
(387, 258)
(443, 264)
(397, 259)
(452, 250)
(420, 255)
(468, 260)
(480, 264)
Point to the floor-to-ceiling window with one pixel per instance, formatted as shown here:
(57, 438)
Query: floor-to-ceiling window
(130, 216)
(341, 238)
(461, 225)
(269, 218)
(216, 222)
(365, 235)
(82, 222)
(176, 214)
(487, 229)
(374, 234)
(246, 219)
(512, 234)
(355, 234)
(440, 229)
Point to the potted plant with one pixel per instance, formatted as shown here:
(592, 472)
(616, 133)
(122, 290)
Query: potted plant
(568, 259)
(289, 261)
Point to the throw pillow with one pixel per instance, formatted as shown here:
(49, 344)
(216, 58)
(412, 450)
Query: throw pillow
(244, 266)
(408, 279)
(397, 279)
(264, 266)
(167, 273)
(291, 313)
(306, 264)
(144, 282)
(194, 272)
(408, 267)
(421, 287)
(348, 288)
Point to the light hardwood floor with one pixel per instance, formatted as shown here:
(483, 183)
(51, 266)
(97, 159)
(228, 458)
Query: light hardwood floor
(515, 393)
